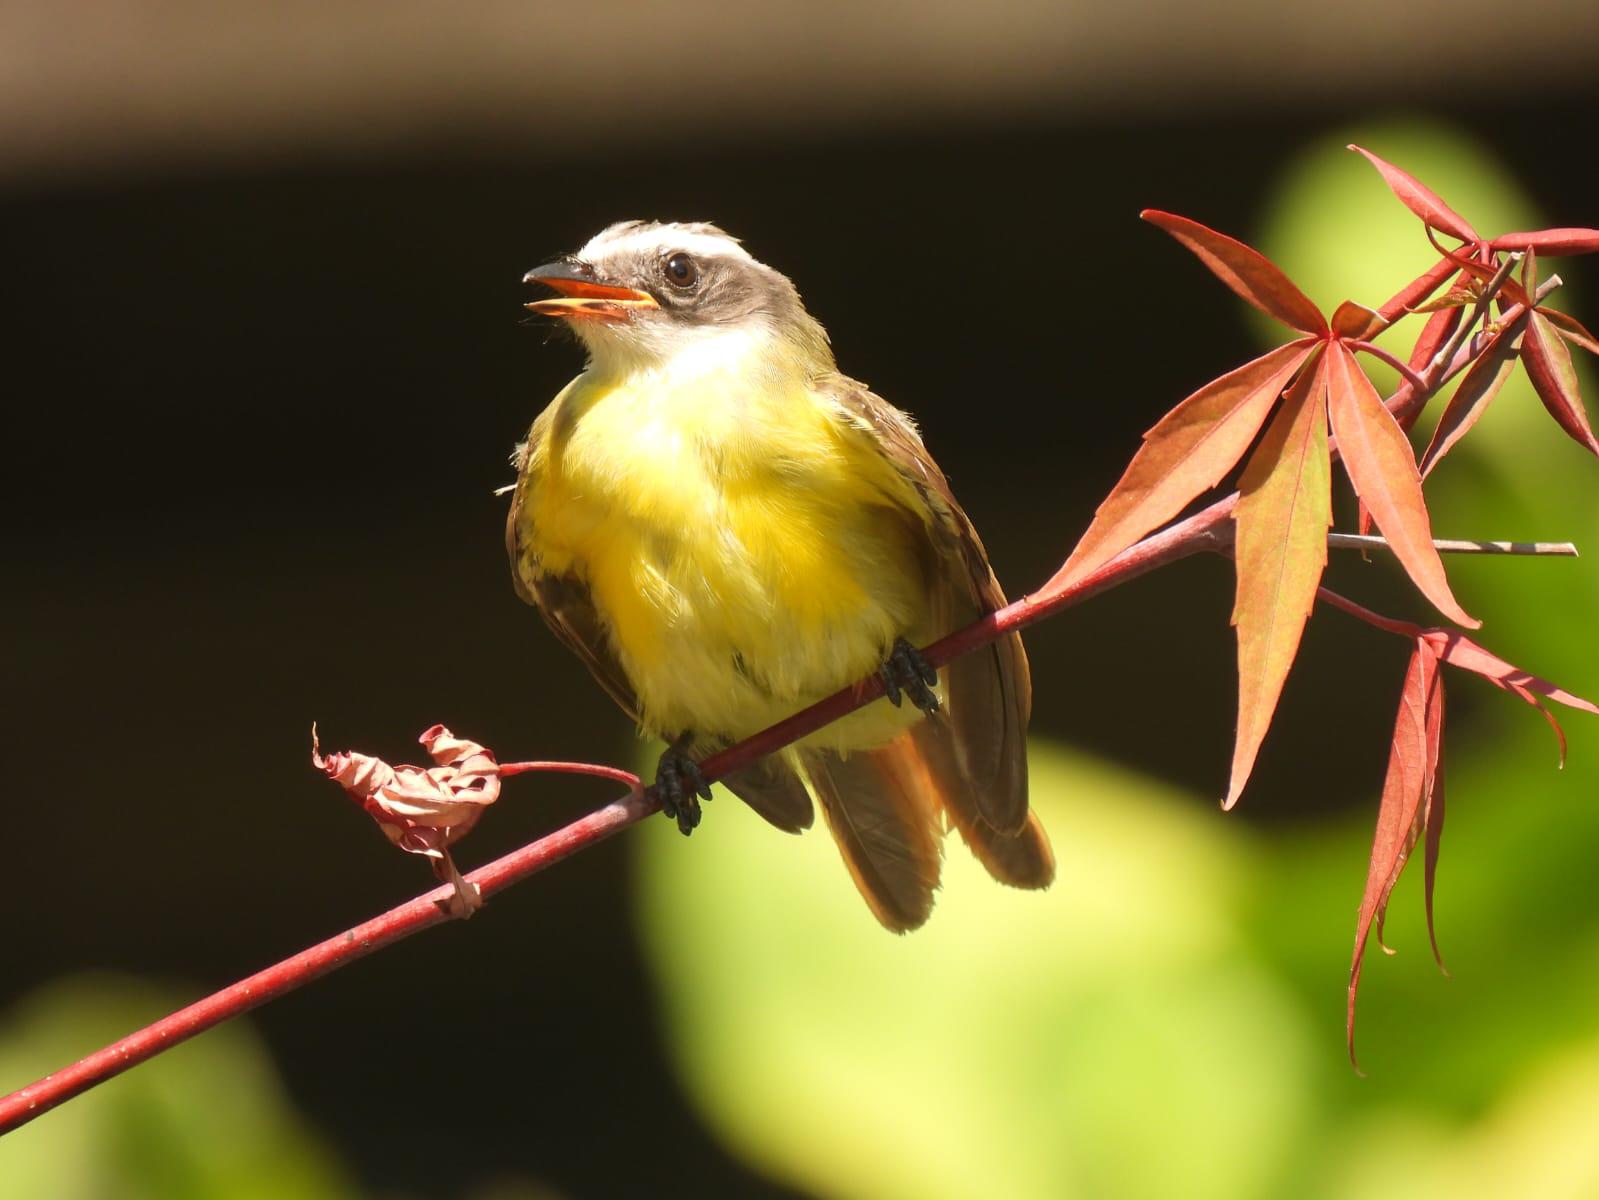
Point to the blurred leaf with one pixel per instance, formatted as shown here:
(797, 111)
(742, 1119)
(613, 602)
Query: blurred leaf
(1021, 1044)
(1537, 1140)
(206, 1120)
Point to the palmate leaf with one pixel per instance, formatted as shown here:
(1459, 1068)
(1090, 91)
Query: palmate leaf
(1284, 512)
(1411, 808)
(1187, 452)
(1421, 200)
(1382, 466)
(1548, 361)
(1246, 270)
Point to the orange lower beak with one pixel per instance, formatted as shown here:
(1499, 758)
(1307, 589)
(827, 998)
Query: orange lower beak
(584, 297)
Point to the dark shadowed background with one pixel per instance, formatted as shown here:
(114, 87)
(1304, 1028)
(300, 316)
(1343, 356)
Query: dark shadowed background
(265, 359)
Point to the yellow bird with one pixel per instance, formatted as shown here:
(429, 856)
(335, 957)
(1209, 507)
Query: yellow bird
(725, 530)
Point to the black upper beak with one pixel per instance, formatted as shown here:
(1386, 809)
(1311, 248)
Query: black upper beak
(572, 270)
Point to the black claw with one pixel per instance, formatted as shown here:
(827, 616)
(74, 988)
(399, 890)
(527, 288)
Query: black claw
(907, 670)
(679, 785)
(890, 684)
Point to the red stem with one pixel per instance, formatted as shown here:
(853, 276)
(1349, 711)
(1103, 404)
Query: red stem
(598, 770)
(411, 917)
(1185, 538)
(1209, 529)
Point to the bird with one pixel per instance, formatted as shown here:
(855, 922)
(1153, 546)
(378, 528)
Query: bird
(725, 529)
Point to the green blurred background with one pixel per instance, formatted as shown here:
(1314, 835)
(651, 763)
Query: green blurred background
(265, 363)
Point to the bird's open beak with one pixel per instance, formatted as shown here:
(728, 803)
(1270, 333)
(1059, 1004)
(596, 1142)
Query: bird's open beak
(583, 295)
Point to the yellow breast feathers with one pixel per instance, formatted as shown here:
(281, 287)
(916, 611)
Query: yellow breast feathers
(747, 549)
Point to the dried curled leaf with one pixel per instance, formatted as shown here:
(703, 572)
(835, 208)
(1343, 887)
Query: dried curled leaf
(422, 810)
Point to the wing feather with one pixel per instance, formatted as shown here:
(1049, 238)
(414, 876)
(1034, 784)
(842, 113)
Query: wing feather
(989, 691)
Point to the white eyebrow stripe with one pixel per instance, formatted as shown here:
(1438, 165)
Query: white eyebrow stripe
(662, 239)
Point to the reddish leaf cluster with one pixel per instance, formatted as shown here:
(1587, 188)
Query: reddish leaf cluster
(423, 810)
(1314, 386)
(1307, 403)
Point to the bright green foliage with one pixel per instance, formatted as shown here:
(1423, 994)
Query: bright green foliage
(205, 1121)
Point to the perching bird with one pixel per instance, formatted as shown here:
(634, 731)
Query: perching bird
(725, 529)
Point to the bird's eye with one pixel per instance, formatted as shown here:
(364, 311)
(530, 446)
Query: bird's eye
(681, 271)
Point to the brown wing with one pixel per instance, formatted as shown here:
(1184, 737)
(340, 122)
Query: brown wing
(770, 786)
(990, 692)
(564, 601)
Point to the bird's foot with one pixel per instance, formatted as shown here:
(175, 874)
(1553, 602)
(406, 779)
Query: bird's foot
(679, 786)
(907, 673)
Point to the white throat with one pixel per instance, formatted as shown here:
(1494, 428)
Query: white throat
(750, 352)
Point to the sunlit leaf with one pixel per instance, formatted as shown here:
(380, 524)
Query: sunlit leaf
(1554, 378)
(1357, 322)
(1573, 330)
(1401, 815)
(1456, 297)
(1529, 272)
(1471, 399)
(1188, 451)
(1284, 511)
(1244, 269)
(1458, 650)
(1382, 466)
(1550, 241)
(1420, 200)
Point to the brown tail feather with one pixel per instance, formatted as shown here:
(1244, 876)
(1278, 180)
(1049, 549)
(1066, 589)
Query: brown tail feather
(772, 788)
(1022, 859)
(886, 825)
(990, 697)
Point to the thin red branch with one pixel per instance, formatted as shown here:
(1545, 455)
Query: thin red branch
(411, 917)
(1185, 538)
(1208, 530)
(598, 770)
